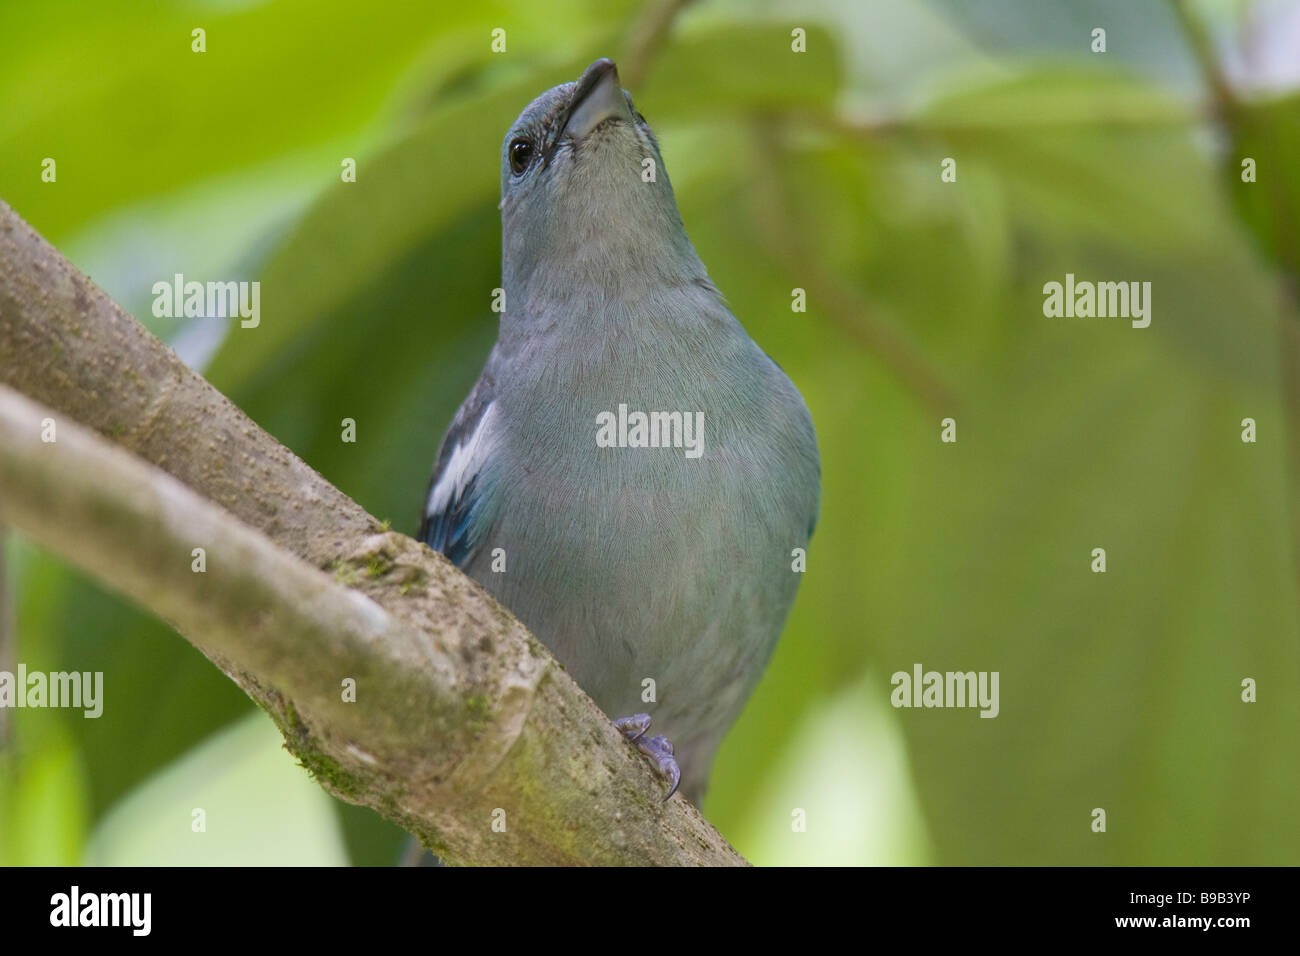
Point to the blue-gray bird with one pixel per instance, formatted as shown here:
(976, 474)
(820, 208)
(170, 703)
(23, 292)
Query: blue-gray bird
(632, 474)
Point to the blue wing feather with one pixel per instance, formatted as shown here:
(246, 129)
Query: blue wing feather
(449, 529)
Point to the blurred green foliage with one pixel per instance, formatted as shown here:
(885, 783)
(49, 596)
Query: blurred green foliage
(1119, 690)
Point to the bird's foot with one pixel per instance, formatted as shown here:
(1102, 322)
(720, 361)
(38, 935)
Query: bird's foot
(658, 748)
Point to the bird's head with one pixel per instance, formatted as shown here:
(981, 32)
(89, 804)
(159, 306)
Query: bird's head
(583, 184)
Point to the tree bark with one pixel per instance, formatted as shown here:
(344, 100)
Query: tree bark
(460, 715)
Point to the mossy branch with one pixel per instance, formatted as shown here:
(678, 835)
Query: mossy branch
(459, 712)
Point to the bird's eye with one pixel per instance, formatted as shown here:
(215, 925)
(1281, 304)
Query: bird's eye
(521, 152)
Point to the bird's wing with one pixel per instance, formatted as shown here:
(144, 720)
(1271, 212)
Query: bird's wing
(455, 516)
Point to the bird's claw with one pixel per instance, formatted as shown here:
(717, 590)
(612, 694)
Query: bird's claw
(639, 723)
(658, 748)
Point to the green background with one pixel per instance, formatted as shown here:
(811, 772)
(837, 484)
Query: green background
(818, 171)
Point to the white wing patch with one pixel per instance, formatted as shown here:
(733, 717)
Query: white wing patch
(467, 460)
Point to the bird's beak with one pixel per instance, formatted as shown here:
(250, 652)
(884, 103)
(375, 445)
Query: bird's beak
(598, 98)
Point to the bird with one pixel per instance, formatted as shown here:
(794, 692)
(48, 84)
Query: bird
(632, 476)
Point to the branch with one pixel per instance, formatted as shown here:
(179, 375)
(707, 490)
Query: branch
(459, 710)
(1201, 47)
(647, 36)
(780, 234)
